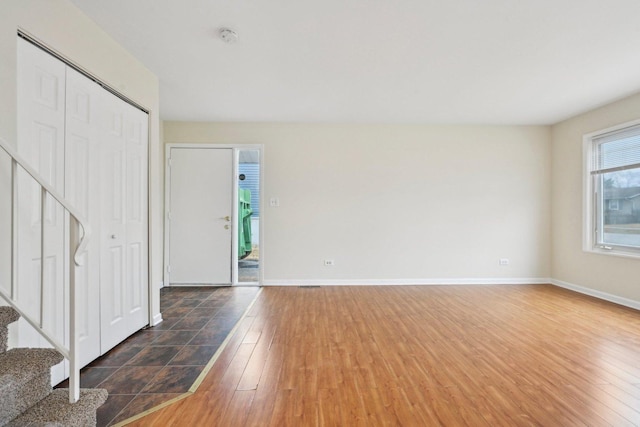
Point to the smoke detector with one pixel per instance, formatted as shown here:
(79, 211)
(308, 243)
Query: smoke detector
(228, 35)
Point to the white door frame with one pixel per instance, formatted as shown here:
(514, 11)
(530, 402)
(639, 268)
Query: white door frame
(234, 235)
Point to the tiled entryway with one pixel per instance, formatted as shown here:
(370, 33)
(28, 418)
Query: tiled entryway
(160, 363)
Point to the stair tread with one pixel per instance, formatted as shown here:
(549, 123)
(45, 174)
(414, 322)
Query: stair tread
(19, 365)
(55, 409)
(8, 315)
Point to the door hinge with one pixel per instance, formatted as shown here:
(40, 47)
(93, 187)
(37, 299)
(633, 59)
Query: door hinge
(168, 269)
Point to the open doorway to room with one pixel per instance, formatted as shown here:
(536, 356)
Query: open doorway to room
(248, 184)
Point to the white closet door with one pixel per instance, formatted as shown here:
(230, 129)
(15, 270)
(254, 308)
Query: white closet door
(92, 147)
(136, 215)
(82, 189)
(123, 278)
(41, 120)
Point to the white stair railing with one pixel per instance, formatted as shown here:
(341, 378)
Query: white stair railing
(79, 234)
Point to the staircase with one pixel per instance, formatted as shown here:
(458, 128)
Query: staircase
(26, 397)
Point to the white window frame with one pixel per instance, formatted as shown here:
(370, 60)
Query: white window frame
(591, 204)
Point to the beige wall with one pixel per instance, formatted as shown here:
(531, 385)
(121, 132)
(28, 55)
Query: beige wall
(62, 27)
(612, 275)
(397, 203)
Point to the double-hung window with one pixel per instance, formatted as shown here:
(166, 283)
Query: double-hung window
(613, 190)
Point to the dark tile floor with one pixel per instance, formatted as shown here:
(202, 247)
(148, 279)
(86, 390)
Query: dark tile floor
(160, 363)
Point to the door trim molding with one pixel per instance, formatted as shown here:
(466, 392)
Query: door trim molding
(234, 239)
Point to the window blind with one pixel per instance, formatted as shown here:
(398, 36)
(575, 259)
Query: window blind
(616, 151)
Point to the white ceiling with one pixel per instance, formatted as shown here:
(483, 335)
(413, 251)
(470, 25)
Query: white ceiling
(388, 61)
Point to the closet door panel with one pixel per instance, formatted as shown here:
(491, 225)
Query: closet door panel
(82, 189)
(136, 123)
(113, 261)
(124, 288)
(41, 113)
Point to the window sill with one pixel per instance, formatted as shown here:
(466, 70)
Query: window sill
(615, 251)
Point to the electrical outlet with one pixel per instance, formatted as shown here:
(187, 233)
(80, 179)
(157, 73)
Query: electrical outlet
(329, 263)
(504, 261)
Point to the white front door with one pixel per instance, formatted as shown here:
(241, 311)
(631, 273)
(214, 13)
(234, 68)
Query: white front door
(200, 215)
(123, 231)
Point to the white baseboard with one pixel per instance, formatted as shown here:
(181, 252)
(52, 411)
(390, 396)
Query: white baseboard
(597, 294)
(405, 282)
(462, 281)
(157, 319)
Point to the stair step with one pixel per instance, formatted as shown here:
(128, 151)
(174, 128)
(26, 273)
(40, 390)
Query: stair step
(19, 365)
(8, 315)
(55, 410)
(25, 378)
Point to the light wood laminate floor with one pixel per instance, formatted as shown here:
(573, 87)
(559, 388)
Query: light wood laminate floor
(422, 356)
